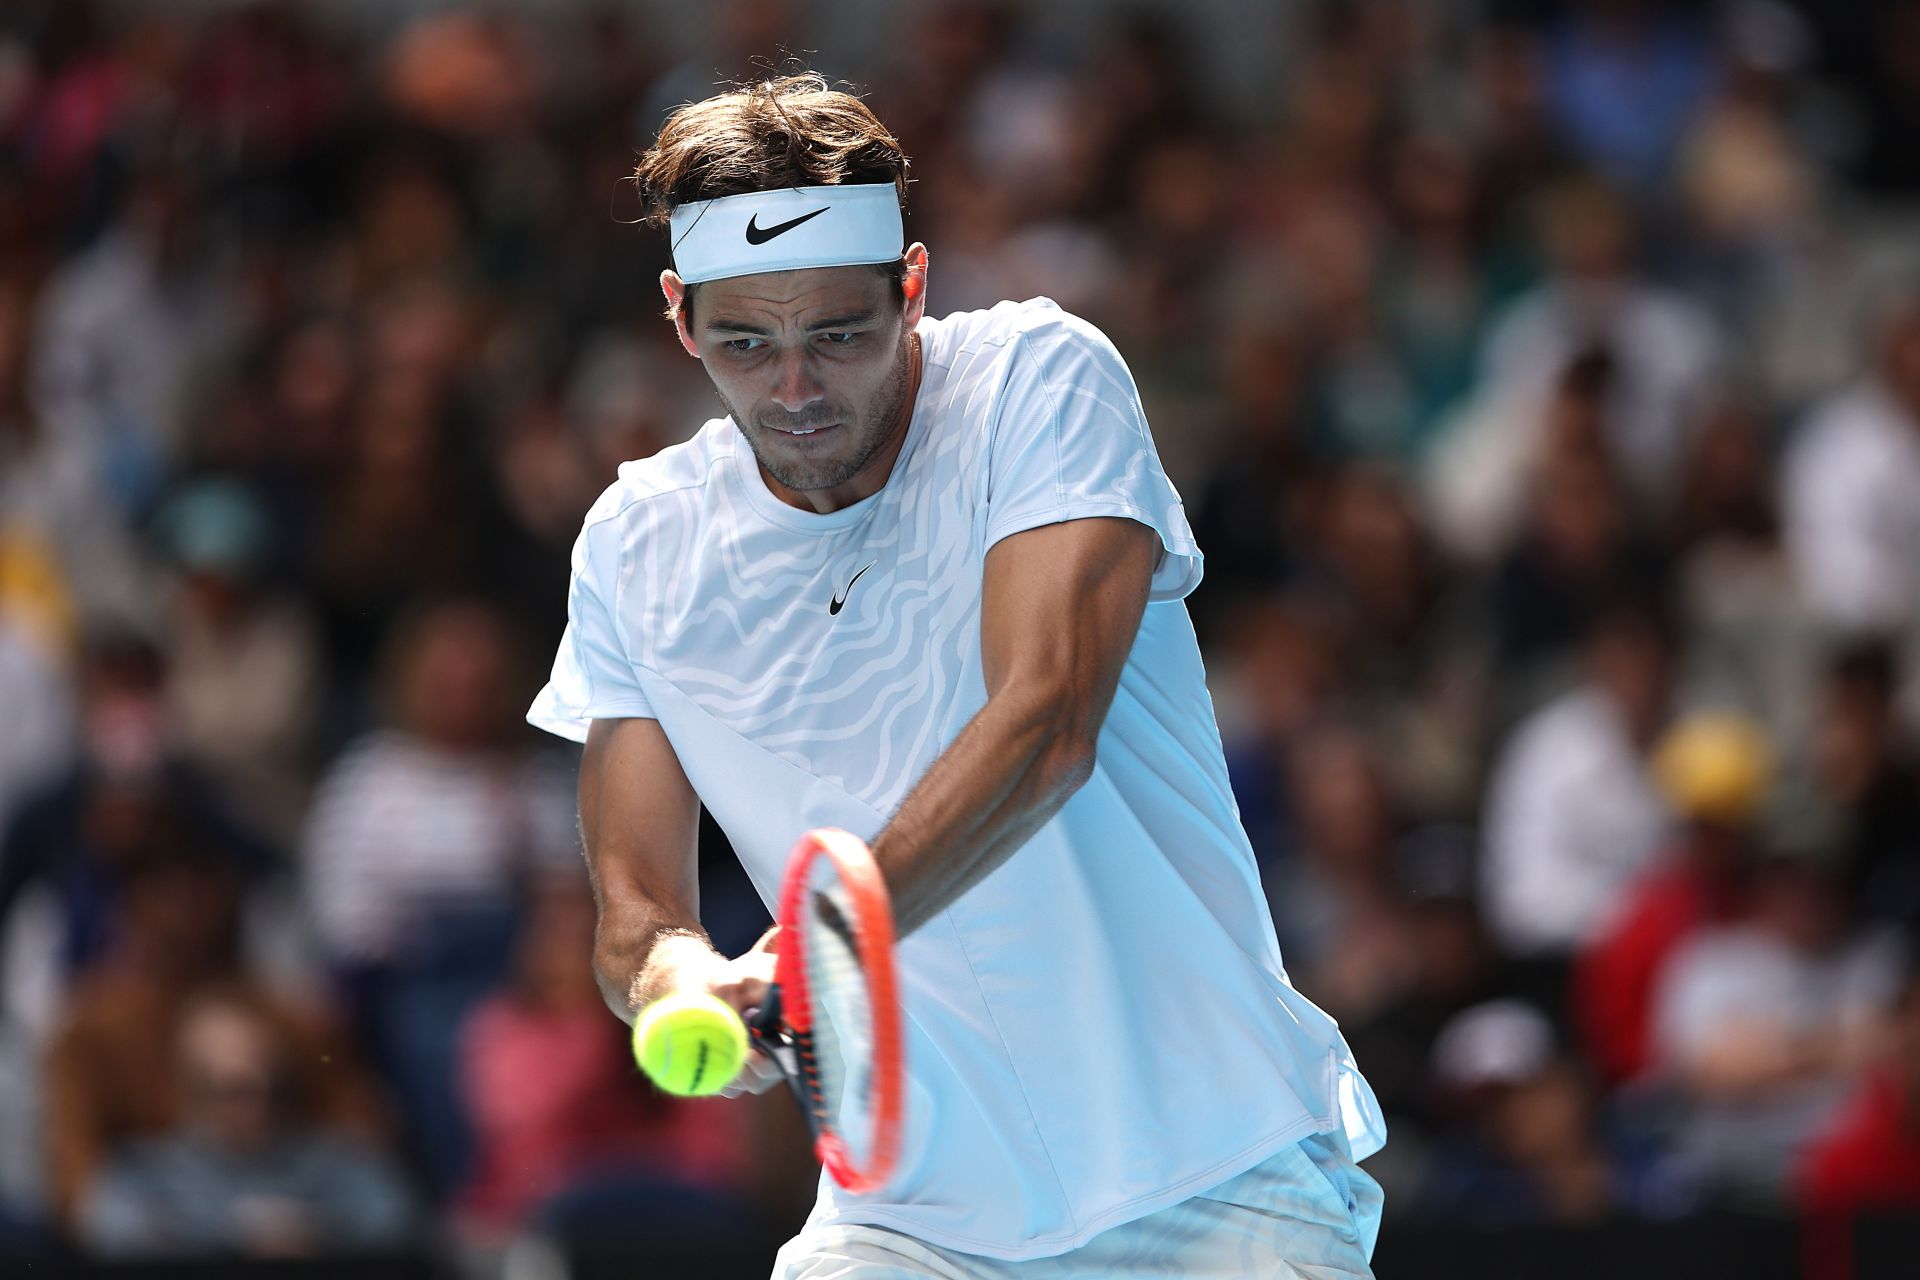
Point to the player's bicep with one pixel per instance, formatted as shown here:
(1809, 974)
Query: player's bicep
(1060, 606)
(639, 818)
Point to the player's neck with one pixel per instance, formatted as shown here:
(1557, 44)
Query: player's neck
(872, 477)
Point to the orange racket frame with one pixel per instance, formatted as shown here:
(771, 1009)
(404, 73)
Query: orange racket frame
(793, 1004)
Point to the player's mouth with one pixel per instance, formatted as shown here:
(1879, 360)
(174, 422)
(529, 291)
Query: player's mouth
(801, 433)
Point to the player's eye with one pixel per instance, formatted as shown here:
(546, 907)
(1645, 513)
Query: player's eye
(841, 339)
(740, 346)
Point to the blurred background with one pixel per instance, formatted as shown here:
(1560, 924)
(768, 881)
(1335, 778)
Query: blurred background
(1543, 381)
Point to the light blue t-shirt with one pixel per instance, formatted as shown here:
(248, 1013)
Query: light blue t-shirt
(1102, 1026)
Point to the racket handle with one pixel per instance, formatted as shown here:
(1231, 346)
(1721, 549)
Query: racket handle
(770, 1034)
(763, 1023)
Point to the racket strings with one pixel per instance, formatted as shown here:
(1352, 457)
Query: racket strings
(838, 1055)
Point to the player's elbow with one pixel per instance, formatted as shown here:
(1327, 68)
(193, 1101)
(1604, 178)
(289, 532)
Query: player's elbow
(614, 977)
(1052, 726)
(1067, 763)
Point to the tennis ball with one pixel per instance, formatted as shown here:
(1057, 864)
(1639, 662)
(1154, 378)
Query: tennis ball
(690, 1043)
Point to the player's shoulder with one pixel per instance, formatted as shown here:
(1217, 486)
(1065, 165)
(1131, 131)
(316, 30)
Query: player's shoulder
(1040, 322)
(639, 485)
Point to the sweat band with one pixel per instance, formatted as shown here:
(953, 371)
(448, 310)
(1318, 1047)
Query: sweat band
(786, 230)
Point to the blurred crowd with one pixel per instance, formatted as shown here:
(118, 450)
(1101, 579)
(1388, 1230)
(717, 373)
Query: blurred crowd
(1543, 380)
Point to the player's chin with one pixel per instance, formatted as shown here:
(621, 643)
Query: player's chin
(805, 471)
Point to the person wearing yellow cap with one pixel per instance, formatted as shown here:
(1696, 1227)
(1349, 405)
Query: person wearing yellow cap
(1714, 771)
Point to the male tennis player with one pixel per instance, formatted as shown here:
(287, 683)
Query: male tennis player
(924, 582)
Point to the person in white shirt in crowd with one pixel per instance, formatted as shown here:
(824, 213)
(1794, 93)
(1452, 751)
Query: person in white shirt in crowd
(441, 807)
(1851, 486)
(924, 583)
(1572, 810)
(1762, 1027)
(419, 841)
(1667, 353)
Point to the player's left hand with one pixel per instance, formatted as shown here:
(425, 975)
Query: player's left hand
(758, 1075)
(743, 983)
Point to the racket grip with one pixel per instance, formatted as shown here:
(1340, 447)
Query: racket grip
(763, 1023)
(769, 1034)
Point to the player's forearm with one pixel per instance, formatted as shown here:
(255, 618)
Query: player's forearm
(638, 818)
(1007, 773)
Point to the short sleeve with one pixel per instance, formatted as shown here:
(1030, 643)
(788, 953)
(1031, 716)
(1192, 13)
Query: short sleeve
(1071, 442)
(592, 679)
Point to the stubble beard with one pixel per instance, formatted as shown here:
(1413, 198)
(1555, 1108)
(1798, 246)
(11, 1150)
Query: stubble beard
(869, 433)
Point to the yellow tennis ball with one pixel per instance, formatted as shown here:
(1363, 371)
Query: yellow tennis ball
(690, 1043)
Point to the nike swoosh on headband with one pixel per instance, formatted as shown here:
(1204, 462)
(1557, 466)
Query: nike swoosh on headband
(757, 234)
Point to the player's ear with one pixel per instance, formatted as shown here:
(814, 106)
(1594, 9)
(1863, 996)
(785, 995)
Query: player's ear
(915, 285)
(676, 291)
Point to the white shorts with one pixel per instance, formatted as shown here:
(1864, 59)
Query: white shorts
(1308, 1212)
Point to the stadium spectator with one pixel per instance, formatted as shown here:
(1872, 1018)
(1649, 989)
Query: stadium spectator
(1752, 641)
(244, 670)
(1579, 545)
(420, 838)
(1284, 679)
(1337, 905)
(1713, 771)
(1852, 486)
(34, 687)
(1867, 1158)
(124, 328)
(1406, 631)
(23, 1165)
(402, 482)
(1666, 348)
(124, 796)
(1665, 353)
(1453, 968)
(1440, 277)
(104, 1085)
(56, 549)
(44, 533)
(1254, 498)
(1863, 763)
(1572, 814)
(241, 1171)
(1625, 81)
(1524, 1146)
(555, 1104)
(1748, 189)
(1762, 1026)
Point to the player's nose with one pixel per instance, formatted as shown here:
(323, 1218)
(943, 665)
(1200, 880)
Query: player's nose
(795, 387)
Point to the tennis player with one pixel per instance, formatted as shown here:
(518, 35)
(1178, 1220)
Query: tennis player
(924, 581)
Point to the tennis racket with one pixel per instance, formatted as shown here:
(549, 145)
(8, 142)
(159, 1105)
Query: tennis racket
(831, 1019)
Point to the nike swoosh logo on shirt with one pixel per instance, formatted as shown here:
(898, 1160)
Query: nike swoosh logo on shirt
(841, 598)
(757, 234)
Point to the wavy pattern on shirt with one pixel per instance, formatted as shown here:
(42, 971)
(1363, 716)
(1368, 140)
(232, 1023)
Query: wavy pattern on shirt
(726, 594)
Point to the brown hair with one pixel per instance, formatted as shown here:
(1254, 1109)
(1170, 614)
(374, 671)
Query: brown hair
(789, 131)
(785, 131)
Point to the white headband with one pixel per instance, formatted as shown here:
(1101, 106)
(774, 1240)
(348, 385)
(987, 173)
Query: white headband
(785, 230)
